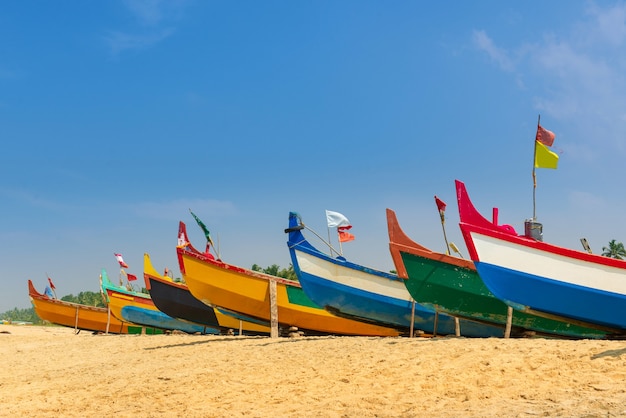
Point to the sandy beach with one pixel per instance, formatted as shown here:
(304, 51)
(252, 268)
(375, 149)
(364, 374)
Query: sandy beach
(51, 372)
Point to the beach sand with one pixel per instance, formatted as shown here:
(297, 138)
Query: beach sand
(51, 372)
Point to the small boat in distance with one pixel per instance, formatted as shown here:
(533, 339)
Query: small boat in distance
(138, 308)
(76, 315)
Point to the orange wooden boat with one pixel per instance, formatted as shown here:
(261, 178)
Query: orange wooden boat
(77, 316)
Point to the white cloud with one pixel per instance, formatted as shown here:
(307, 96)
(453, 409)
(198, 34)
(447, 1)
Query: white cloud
(576, 71)
(119, 41)
(154, 12)
(484, 42)
(157, 20)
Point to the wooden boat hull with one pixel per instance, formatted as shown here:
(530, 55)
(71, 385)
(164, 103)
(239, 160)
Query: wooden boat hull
(77, 316)
(247, 292)
(175, 299)
(544, 279)
(138, 308)
(363, 293)
(453, 285)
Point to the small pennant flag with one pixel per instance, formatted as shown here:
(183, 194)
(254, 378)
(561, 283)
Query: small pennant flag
(442, 208)
(344, 236)
(207, 234)
(545, 136)
(131, 277)
(52, 286)
(120, 260)
(544, 158)
(336, 220)
(440, 204)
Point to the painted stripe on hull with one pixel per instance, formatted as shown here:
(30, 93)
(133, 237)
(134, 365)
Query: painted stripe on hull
(367, 281)
(377, 298)
(526, 291)
(158, 319)
(556, 267)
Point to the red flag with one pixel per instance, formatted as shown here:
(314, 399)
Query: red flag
(120, 260)
(131, 277)
(545, 136)
(440, 204)
(51, 284)
(344, 236)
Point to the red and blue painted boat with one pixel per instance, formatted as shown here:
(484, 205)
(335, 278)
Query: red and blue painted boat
(544, 279)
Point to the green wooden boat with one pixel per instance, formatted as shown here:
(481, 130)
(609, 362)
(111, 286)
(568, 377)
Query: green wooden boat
(451, 284)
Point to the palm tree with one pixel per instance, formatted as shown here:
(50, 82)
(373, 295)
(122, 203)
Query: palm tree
(614, 250)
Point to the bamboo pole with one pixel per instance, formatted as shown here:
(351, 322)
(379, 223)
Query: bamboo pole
(76, 322)
(412, 318)
(534, 174)
(273, 309)
(509, 321)
(109, 319)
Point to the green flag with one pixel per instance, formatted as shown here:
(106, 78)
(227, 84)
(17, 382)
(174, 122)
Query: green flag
(207, 234)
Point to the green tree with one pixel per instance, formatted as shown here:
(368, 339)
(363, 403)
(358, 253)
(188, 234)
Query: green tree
(275, 270)
(26, 315)
(614, 250)
(85, 298)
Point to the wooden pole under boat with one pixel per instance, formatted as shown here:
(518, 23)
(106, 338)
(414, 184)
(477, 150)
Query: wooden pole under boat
(76, 322)
(273, 310)
(412, 317)
(509, 321)
(109, 319)
(436, 323)
(457, 327)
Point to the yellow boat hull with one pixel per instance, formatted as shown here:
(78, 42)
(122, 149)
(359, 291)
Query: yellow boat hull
(247, 292)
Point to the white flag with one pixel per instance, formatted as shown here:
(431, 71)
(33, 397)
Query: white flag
(336, 219)
(120, 260)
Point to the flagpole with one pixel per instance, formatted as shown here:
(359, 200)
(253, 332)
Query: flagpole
(329, 242)
(445, 238)
(340, 245)
(441, 206)
(534, 168)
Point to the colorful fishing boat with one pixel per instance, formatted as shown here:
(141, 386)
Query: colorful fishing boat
(248, 292)
(544, 279)
(354, 291)
(138, 308)
(174, 299)
(77, 316)
(452, 284)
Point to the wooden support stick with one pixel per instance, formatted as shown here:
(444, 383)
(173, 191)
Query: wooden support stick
(412, 318)
(76, 322)
(109, 320)
(509, 320)
(273, 310)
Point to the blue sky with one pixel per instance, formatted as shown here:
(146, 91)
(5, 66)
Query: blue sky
(118, 117)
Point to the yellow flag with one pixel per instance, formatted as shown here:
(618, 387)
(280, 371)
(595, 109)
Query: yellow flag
(544, 158)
